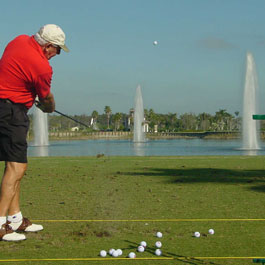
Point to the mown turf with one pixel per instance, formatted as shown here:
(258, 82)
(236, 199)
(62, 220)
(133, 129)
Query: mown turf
(146, 190)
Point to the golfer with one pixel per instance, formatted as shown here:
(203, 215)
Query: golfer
(25, 73)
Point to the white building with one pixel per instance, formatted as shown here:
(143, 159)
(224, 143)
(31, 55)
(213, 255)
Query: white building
(74, 129)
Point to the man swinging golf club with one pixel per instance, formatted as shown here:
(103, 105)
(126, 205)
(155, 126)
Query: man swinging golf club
(25, 73)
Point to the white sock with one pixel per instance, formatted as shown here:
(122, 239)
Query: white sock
(16, 218)
(2, 220)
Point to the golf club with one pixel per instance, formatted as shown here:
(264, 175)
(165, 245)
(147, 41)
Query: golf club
(38, 104)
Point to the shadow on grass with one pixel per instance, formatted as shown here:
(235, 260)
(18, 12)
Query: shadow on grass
(187, 260)
(254, 179)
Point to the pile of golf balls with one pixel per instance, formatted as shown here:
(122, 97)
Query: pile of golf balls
(158, 244)
(112, 252)
(197, 234)
(141, 248)
(143, 245)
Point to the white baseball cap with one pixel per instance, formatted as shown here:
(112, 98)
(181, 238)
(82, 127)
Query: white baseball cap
(53, 34)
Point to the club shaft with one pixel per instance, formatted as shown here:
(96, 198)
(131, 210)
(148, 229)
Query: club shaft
(71, 118)
(38, 103)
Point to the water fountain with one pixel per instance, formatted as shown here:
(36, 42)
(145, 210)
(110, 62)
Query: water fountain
(138, 129)
(250, 127)
(40, 128)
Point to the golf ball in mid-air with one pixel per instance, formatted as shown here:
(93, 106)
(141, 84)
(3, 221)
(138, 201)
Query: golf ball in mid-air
(119, 252)
(131, 255)
(211, 231)
(158, 252)
(155, 42)
(140, 249)
(197, 234)
(103, 253)
(144, 244)
(115, 254)
(159, 234)
(158, 244)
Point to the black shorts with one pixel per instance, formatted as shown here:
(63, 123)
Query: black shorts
(14, 125)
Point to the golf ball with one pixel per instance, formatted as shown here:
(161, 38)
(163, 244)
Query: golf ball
(158, 244)
(103, 253)
(131, 255)
(111, 251)
(155, 42)
(119, 251)
(140, 249)
(144, 244)
(158, 252)
(211, 231)
(197, 234)
(115, 253)
(159, 234)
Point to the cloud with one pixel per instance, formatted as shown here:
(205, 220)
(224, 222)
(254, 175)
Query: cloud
(215, 44)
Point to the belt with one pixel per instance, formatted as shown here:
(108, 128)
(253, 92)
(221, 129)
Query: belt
(6, 100)
(19, 105)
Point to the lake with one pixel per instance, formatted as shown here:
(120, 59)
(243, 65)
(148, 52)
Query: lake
(161, 147)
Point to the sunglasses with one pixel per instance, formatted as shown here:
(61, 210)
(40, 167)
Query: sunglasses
(58, 48)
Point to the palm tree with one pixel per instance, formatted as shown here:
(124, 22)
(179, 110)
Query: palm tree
(152, 117)
(172, 121)
(219, 118)
(117, 119)
(107, 111)
(188, 122)
(146, 113)
(237, 121)
(223, 118)
(204, 120)
(94, 116)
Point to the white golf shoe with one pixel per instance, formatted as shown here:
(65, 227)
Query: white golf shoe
(7, 234)
(25, 226)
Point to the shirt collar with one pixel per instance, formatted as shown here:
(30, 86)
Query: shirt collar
(36, 45)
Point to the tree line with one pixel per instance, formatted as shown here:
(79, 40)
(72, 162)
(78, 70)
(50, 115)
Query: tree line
(170, 122)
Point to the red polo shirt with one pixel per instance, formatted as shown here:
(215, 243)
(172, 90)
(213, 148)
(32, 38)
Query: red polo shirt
(24, 71)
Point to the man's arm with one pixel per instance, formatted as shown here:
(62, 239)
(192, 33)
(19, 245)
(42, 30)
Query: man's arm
(48, 103)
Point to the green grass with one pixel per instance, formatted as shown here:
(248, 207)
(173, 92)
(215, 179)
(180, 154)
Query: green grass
(147, 189)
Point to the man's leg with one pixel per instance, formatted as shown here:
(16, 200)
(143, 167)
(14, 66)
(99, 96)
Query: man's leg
(9, 197)
(10, 187)
(14, 206)
(15, 218)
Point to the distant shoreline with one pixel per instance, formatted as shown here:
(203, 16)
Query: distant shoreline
(129, 135)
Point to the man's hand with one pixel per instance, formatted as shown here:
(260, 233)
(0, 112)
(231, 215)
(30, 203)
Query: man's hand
(38, 105)
(47, 104)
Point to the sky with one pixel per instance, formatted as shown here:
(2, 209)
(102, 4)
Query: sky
(198, 65)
